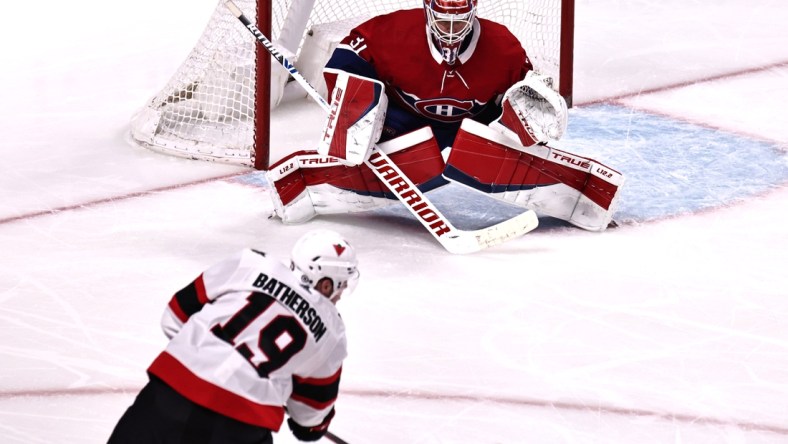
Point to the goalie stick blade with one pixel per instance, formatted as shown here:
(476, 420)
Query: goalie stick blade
(452, 239)
(472, 241)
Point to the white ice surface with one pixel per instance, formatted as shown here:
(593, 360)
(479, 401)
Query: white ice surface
(666, 331)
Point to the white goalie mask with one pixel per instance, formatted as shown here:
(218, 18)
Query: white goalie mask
(322, 254)
(449, 22)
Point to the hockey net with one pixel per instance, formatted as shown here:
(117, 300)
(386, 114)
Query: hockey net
(213, 109)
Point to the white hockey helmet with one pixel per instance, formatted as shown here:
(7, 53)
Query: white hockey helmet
(449, 22)
(322, 254)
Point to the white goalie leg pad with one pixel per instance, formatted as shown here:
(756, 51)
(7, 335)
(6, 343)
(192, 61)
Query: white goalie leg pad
(549, 181)
(306, 184)
(296, 211)
(329, 199)
(585, 203)
(287, 188)
(589, 213)
(355, 119)
(352, 189)
(532, 111)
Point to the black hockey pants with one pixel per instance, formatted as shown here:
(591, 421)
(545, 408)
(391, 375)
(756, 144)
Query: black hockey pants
(160, 415)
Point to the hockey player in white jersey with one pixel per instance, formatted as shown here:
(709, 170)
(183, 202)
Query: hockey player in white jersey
(251, 339)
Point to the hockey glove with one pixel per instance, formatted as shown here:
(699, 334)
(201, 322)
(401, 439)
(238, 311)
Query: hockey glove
(312, 433)
(532, 111)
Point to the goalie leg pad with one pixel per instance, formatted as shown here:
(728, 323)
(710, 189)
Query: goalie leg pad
(547, 180)
(306, 184)
(418, 155)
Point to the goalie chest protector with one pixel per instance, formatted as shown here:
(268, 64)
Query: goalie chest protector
(395, 49)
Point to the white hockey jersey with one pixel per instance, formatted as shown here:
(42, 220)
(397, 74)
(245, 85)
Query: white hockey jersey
(248, 340)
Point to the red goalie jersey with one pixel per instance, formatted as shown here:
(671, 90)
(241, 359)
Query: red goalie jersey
(422, 88)
(248, 339)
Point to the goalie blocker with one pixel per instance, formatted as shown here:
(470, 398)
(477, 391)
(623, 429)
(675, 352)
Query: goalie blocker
(549, 181)
(355, 118)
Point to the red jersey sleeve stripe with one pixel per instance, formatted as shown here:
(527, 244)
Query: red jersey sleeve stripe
(202, 295)
(317, 405)
(189, 299)
(176, 309)
(318, 381)
(318, 393)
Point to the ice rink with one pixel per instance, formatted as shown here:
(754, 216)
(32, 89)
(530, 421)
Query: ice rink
(672, 328)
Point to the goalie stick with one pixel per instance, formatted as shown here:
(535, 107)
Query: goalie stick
(453, 240)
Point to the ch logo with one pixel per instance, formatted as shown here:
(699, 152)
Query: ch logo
(445, 109)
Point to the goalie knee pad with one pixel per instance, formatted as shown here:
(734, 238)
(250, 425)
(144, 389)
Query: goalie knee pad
(306, 184)
(547, 180)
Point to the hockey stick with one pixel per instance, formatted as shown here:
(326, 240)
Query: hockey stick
(453, 240)
(334, 438)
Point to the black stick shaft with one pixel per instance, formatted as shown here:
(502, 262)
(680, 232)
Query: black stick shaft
(335, 439)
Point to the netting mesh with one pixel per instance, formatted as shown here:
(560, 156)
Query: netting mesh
(206, 110)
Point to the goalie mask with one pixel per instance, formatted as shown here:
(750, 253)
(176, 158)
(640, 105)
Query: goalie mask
(449, 22)
(325, 254)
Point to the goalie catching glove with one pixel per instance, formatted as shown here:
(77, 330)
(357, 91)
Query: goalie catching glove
(355, 119)
(532, 111)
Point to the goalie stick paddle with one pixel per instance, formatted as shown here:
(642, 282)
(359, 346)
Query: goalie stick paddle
(453, 240)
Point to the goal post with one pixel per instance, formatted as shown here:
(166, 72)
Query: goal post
(217, 106)
(566, 51)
